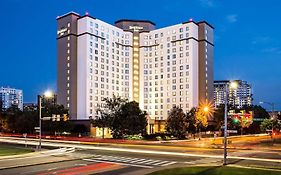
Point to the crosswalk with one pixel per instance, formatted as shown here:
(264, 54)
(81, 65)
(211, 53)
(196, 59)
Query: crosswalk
(204, 161)
(131, 161)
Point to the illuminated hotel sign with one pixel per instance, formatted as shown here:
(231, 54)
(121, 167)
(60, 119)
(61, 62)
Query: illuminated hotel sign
(61, 31)
(136, 28)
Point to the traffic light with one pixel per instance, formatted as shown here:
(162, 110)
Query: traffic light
(54, 117)
(235, 119)
(65, 117)
(58, 118)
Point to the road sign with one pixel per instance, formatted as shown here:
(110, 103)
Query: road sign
(232, 131)
(258, 119)
(46, 118)
(37, 128)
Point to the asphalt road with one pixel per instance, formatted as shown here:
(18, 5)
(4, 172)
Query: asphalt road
(92, 159)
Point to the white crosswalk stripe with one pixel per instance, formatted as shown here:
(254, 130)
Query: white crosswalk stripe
(204, 161)
(131, 160)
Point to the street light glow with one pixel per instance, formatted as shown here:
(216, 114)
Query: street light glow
(48, 94)
(206, 109)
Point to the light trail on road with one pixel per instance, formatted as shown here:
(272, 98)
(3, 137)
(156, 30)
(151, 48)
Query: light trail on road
(92, 147)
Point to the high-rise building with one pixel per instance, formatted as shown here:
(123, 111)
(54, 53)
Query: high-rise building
(238, 97)
(158, 68)
(11, 97)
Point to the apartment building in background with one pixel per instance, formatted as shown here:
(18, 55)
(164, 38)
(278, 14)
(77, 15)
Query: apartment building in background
(11, 97)
(158, 68)
(238, 97)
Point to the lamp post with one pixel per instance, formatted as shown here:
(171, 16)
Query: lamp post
(47, 94)
(272, 117)
(233, 85)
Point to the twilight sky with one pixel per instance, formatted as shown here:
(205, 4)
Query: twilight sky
(247, 38)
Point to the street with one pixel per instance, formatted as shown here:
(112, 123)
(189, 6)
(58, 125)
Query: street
(76, 158)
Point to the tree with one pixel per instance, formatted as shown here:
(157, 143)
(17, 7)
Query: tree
(12, 115)
(200, 120)
(130, 120)
(258, 113)
(106, 114)
(177, 123)
(219, 117)
(102, 121)
(27, 121)
(1, 118)
(191, 115)
(122, 117)
(269, 124)
(245, 122)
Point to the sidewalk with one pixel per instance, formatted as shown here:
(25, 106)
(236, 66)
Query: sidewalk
(35, 158)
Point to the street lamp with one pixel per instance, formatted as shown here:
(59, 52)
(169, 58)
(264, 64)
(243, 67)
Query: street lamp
(272, 117)
(206, 109)
(232, 85)
(47, 94)
(203, 112)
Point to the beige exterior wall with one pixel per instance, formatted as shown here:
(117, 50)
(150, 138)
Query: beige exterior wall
(166, 67)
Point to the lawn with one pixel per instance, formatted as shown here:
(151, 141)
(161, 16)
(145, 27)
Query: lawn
(215, 171)
(6, 150)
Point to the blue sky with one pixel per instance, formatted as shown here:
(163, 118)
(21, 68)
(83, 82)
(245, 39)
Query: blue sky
(247, 38)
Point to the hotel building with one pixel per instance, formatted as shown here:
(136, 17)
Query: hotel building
(238, 97)
(158, 68)
(11, 97)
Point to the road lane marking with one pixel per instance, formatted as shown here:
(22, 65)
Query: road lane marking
(192, 163)
(153, 162)
(137, 161)
(49, 143)
(160, 163)
(170, 163)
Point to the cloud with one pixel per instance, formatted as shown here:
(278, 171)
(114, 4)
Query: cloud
(232, 18)
(207, 3)
(262, 40)
(272, 50)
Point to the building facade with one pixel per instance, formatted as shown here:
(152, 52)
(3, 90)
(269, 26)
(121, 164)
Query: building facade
(158, 68)
(11, 97)
(238, 97)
